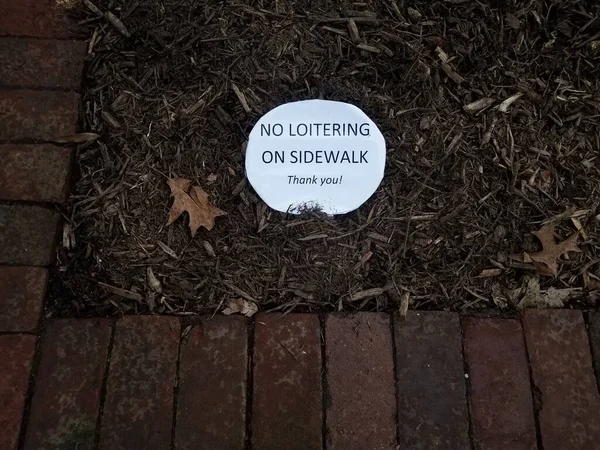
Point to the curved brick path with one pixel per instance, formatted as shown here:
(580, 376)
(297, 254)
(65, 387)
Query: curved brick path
(368, 381)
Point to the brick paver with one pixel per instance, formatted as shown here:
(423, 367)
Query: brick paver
(138, 410)
(432, 402)
(37, 115)
(41, 63)
(34, 173)
(28, 234)
(37, 18)
(22, 291)
(561, 366)
(16, 356)
(212, 386)
(287, 394)
(73, 358)
(360, 402)
(501, 400)
(595, 341)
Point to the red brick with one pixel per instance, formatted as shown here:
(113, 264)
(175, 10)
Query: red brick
(15, 364)
(287, 396)
(22, 291)
(361, 401)
(212, 386)
(73, 359)
(432, 400)
(34, 173)
(138, 411)
(595, 341)
(41, 63)
(28, 234)
(501, 400)
(561, 367)
(37, 18)
(38, 115)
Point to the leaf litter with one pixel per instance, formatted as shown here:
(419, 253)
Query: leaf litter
(490, 114)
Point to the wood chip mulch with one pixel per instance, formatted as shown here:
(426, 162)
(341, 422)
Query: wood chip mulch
(490, 110)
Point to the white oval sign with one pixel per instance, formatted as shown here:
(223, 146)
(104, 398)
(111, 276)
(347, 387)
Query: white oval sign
(315, 154)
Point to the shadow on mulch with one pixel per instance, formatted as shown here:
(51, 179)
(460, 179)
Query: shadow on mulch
(490, 112)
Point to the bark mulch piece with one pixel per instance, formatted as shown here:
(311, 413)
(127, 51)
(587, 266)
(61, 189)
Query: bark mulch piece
(490, 114)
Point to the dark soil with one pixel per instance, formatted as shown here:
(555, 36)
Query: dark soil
(463, 186)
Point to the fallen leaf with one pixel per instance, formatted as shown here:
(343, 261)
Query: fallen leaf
(239, 305)
(546, 261)
(533, 297)
(76, 138)
(193, 200)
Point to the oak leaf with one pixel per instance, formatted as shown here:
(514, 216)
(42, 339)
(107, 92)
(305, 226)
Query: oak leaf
(545, 261)
(193, 200)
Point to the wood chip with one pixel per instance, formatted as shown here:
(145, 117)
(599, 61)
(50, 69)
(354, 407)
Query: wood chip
(404, 302)
(368, 293)
(353, 31)
(242, 98)
(167, 250)
(509, 101)
(368, 48)
(489, 273)
(121, 292)
(478, 105)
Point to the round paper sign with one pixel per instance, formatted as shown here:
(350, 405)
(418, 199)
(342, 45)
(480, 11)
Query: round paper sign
(315, 154)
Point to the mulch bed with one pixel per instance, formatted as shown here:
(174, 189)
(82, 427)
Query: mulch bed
(465, 182)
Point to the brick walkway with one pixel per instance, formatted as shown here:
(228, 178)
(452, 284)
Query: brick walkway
(365, 381)
(368, 381)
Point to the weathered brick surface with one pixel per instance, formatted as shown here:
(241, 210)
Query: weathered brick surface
(41, 63)
(28, 234)
(595, 338)
(212, 386)
(22, 291)
(66, 401)
(432, 402)
(361, 409)
(37, 18)
(501, 400)
(138, 410)
(16, 356)
(38, 115)
(287, 394)
(561, 366)
(34, 172)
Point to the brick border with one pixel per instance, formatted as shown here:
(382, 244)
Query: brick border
(187, 382)
(41, 70)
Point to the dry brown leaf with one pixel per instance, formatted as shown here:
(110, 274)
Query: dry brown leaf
(76, 138)
(546, 261)
(239, 305)
(195, 201)
(533, 297)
